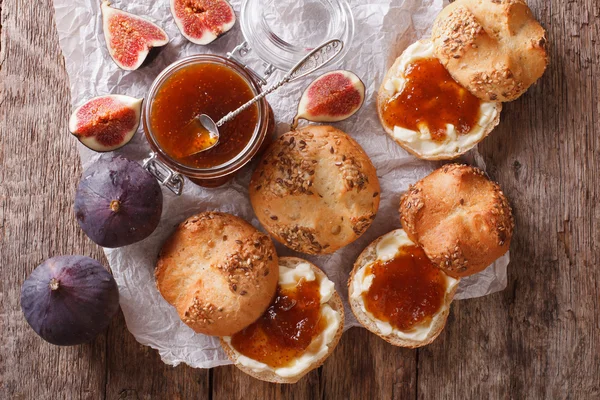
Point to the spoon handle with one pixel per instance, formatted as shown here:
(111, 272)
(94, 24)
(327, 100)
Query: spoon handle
(314, 60)
(231, 115)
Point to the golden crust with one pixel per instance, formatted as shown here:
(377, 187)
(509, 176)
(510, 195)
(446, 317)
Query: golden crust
(494, 48)
(369, 255)
(315, 190)
(461, 219)
(335, 302)
(383, 96)
(219, 272)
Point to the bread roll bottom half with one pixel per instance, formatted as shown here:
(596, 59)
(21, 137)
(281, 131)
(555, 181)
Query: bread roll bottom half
(427, 112)
(298, 331)
(396, 292)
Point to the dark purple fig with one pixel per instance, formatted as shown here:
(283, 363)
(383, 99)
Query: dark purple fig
(202, 21)
(331, 97)
(117, 202)
(129, 37)
(69, 300)
(106, 123)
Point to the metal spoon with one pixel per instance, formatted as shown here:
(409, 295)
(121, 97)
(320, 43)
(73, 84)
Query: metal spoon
(208, 131)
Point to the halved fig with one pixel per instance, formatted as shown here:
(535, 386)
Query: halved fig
(106, 123)
(130, 38)
(332, 97)
(202, 21)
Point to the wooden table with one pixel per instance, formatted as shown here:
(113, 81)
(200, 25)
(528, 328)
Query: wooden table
(540, 338)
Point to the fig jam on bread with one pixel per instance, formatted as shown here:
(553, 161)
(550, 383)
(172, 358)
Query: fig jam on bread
(298, 331)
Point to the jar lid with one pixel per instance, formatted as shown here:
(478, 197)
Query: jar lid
(281, 32)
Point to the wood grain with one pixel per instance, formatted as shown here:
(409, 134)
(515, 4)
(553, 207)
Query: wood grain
(38, 173)
(540, 338)
(231, 383)
(136, 372)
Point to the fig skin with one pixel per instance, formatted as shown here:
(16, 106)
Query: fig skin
(69, 300)
(203, 21)
(129, 37)
(118, 202)
(332, 97)
(106, 123)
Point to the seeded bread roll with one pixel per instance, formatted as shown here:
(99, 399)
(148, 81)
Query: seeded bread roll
(368, 256)
(494, 48)
(335, 302)
(219, 272)
(461, 219)
(315, 190)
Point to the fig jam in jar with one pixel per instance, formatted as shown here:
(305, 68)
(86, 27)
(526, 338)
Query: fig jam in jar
(203, 84)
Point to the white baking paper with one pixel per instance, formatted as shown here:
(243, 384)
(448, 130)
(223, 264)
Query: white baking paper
(383, 29)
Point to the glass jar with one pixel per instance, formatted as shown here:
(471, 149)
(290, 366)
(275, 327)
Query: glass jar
(282, 32)
(272, 32)
(167, 168)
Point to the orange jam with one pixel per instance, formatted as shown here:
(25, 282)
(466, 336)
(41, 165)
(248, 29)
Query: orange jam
(406, 291)
(286, 329)
(431, 97)
(203, 88)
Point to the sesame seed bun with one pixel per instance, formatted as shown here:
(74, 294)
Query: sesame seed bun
(219, 272)
(368, 256)
(315, 190)
(461, 219)
(384, 96)
(494, 48)
(335, 302)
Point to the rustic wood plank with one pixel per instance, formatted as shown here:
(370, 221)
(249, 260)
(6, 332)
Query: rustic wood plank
(136, 372)
(38, 170)
(231, 383)
(364, 366)
(540, 338)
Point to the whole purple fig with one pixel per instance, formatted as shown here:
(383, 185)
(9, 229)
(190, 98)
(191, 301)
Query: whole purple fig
(118, 202)
(69, 300)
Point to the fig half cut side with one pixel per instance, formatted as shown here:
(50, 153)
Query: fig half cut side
(117, 202)
(129, 37)
(331, 97)
(202, 21)
(69, 300)
(106, 123)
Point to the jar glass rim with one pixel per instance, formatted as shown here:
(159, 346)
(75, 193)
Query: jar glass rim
(244, 155)
(272, 48)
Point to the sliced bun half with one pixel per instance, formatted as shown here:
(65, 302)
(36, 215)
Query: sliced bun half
(494, 48)
(460, 218)
(418, 143)
(270, 375)
(369, 256)
(218, 271)
(315, 190)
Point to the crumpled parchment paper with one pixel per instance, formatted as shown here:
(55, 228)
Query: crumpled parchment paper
(384, 28)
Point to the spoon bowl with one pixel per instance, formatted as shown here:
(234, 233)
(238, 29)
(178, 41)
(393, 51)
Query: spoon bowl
(205, 131)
